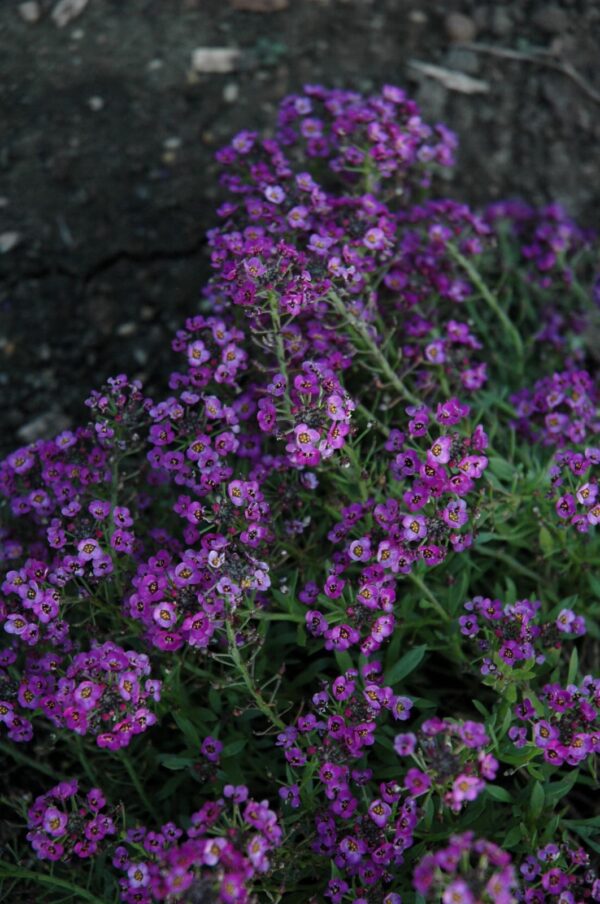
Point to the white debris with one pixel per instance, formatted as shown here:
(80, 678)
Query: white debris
(215, 59)
(67, 10)
(96, 103)
(30, 12)
(44, 426)
(8, 241)
(451, 78)
(231, 92)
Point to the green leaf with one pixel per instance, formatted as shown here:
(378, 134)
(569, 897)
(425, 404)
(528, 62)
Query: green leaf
(536, 801)
(501, 468)
(188, 729)
(594, 583)
(556, 790)
(512, 838)
(481, 709)
(214, 698)
(174, 762)
(573, 666)
(497, 792)
(234, 747)
(405, 666)
(546, 541)
(344, 660)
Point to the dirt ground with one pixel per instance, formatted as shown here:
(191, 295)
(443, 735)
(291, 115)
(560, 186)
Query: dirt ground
(107, 180)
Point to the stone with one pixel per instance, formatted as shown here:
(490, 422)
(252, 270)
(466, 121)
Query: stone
(215, 59)
(260, 6)
(462, 60)
(67, 10)
(231, 92)
(8, 241)
(501, 24)
(551, 19)
(44, 426)
(30, 12)
(460, 28)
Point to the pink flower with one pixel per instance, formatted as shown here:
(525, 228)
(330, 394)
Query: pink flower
(55, 822)
(417, 782)
(466, 787)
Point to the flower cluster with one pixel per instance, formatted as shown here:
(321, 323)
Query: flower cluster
(564, 722)
(559, 871)
(437, 468)
(62, 823)
(186, 599)
(451, 761)
(224, 852)
(363, 826)
(104, 692)
(44, 483)
(291, 504)
(382, 136)
(512, 634)
(560, 410)
(549, 240)
(577, 473)
(469, 870)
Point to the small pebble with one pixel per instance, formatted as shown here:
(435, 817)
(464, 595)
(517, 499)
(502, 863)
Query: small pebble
(460, 28)
(8, 241)
(215, 59)
(502, 23)
(66, 10)
(30, 12)
(96, 104)
(231, 92)
(44, 426)
(126, 329)
(260, 6)
(551, 19)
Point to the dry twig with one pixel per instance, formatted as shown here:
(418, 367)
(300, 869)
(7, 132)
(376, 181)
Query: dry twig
(542, 57)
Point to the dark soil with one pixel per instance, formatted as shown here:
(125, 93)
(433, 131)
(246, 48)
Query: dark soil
(107, 143)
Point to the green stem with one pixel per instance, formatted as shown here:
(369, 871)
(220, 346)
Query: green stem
(7, 870)
(420, 583)
(26, 760)
(509, 560)
(261, 703)
(353, 457)
(280, 348)
(488, 296)
(87, 767)
(135, 780)
(373, 418)
(384, 365)
(277, 616)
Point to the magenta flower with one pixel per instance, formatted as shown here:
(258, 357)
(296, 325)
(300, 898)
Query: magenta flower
(417, 782)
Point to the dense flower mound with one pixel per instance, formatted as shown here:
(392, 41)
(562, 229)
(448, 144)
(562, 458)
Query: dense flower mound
(563, 408)
(577, 472)
(321, 619)
(513, 635)
(102, 692)
(469, 870)
(63, 823)
(227, 844)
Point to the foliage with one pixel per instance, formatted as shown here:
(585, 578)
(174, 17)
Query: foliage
(322, 622)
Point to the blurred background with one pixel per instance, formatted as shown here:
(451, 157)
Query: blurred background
(111, 112)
